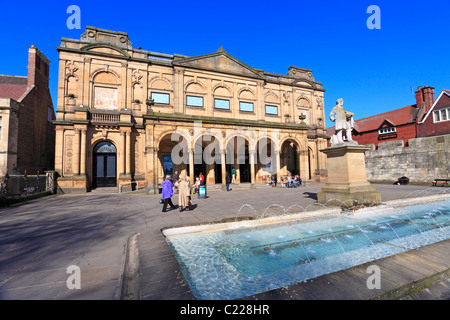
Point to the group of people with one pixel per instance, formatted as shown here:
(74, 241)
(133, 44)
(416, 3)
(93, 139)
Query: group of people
(181, 184)
(293, 182)
(289, 182)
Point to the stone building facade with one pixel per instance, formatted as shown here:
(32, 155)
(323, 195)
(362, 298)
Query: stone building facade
(127, 115)
(26, 114)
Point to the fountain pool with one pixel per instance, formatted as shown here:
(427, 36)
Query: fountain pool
(250, 258)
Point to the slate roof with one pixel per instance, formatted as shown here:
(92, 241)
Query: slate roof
(12, 87)
(396, 117)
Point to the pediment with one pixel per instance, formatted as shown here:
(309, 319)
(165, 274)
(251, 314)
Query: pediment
(220, 62)
(386, 124)
(105, 49)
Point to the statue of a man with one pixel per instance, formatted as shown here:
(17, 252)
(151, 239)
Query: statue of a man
(343, 124)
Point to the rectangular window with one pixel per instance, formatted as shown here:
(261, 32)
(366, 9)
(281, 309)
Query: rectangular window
(441, 115)
(387, 130)
(246, 106)
(222, 104)
(194, 101)
(272, 110)
(49, 114)
(436, 116)
(105, 98)
(161, 98)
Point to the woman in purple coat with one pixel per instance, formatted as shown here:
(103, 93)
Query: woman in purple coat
(167, 193)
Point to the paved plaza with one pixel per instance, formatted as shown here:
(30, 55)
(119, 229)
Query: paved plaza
(40, 239)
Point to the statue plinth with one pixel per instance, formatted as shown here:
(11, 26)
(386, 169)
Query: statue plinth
(347, 179)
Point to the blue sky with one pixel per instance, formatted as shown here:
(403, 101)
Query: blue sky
(372, 70)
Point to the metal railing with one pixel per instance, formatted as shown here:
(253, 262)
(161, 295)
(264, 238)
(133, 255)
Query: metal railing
(21, 186)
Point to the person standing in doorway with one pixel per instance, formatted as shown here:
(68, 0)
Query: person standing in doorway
(167, 193)
(175, 180)
(175, 177)
(233, 175)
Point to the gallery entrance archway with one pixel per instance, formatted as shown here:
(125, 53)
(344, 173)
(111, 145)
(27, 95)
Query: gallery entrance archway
(105, 165)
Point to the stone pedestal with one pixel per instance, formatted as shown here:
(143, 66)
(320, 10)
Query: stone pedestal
(347, 179)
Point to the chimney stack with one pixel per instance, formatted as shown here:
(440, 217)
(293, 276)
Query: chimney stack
(38, 67)
(419, 97)
(428, 97)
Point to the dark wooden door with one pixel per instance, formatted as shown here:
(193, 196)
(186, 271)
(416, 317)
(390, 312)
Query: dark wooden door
(105, 165)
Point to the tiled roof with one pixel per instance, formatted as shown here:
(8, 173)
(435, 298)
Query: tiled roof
(12, 86)
(395, 117)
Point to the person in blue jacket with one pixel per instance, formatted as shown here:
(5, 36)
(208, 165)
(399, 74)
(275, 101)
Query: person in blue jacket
(167, 193)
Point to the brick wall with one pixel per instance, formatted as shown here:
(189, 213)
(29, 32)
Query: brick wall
(36, 138)
(403, 132)
(422, 161)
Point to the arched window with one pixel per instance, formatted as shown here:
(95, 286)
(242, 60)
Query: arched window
(105, 91)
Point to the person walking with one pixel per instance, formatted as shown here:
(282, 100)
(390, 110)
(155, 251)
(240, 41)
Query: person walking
(175, 177)
(175, 180)
(183, 193)
(201, 178)
(167, 193)
(227, 179)
(233, 175)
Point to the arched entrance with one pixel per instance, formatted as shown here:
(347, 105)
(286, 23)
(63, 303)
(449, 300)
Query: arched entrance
(290, 164)
(105, 165)
(266, 163)
(207, 158)
(237, 157)
(173, 156)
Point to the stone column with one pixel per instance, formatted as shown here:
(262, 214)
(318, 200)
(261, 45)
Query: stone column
(222, 159)
(302, 165)
(123, 170)
(59, 150)
(252, 168)
(277, 165)
(191, 166)
(128, 152)
(76, 153)
(259, 103)
(178, 92)
(83, 152)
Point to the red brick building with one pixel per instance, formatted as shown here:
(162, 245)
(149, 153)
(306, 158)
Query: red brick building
(26, 111)
(437, 121)
(425, 118)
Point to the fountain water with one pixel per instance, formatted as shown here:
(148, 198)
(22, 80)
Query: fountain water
(255, 257)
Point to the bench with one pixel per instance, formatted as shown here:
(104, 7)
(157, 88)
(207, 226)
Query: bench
(441, 182)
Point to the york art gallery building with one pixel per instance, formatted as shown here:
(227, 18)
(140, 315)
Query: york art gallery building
(118, 108)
